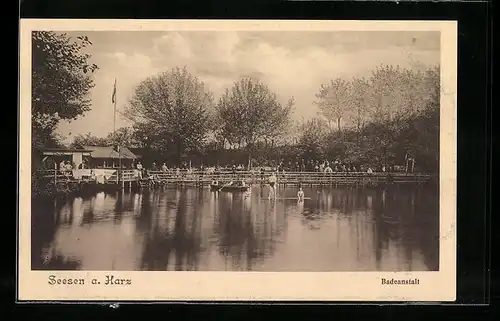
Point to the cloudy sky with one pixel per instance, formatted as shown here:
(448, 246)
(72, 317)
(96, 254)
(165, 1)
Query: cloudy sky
(291, 63)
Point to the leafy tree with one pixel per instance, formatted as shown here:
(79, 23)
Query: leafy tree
(123, 136)
(249, 112)
(89, 140)
(411, 87)
(313, 134)
(172, 110)
(142, 135)
(431, 88)
(61, 82)
(385, 82)
(360, 102)
(333, 100)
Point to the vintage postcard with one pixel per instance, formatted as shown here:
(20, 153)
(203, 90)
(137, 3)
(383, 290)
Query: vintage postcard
(237, 160)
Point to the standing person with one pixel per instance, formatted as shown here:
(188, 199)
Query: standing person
(62, 167)
(69, 168)
(139, 169)
(272, 185)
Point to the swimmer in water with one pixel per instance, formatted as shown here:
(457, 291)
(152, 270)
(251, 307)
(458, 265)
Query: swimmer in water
(300, 195)
(272, 185)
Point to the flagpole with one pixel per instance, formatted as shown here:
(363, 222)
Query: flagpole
(114, 111)
(114, 132)
(120, 178)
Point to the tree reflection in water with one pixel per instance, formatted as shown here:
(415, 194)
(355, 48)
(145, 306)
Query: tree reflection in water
(338, 229)
(45, 218)
(181, 244)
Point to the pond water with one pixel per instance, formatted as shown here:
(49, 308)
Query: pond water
(337, 229)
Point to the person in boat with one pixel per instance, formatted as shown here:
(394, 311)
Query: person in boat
(272, 184)
(300, 195)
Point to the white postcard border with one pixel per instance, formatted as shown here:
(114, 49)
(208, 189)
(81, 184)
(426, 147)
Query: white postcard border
(304, 286)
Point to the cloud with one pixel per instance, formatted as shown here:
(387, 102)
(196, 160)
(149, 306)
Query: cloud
(173, 45)
(225, 45)
(291, 63)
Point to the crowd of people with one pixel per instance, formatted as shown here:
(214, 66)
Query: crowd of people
(308, 166)
(324, 166)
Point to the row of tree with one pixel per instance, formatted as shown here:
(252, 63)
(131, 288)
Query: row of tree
(387, 118)
(392, 114)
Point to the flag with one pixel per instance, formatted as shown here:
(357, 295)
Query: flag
(113, 97)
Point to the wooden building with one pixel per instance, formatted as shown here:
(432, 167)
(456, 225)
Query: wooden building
(51, 158)
(87, 157)
(109, 157)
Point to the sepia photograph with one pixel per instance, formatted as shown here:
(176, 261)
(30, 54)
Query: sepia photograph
(251, 149)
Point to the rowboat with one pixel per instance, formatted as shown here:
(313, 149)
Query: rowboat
(228, 188)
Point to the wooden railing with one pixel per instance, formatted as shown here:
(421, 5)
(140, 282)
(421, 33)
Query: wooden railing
(287, 177)
(252, 177)
(57, 175)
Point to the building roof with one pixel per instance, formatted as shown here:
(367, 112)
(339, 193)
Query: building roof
(65, 150)
(109, 152)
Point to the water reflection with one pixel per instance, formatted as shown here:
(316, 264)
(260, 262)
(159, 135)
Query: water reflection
(348, 229)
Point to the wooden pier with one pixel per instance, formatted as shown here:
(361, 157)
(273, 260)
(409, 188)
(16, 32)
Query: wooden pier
(129, 179)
